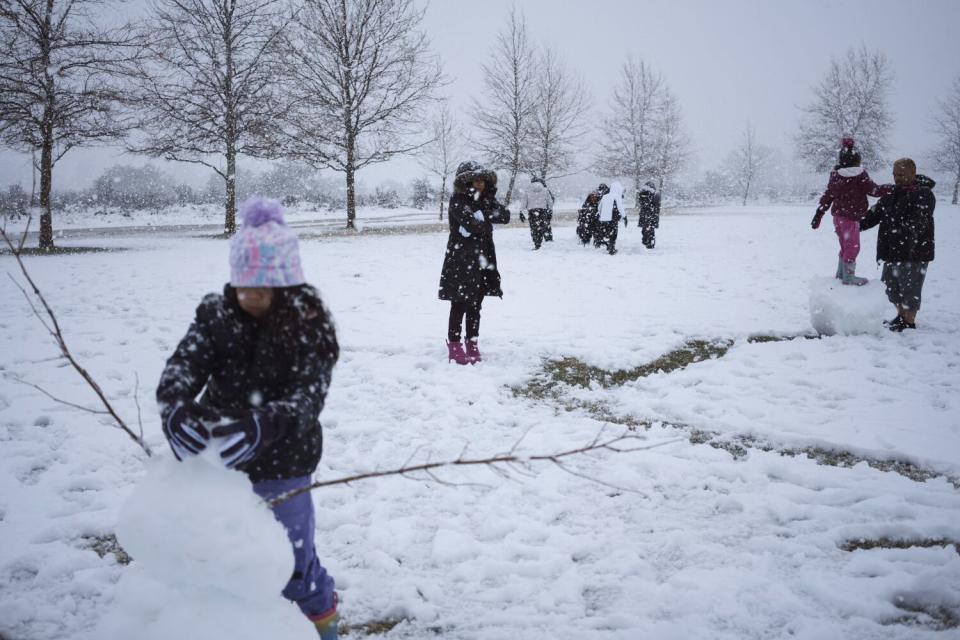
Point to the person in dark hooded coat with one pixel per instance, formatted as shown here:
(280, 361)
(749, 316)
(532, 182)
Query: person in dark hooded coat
(260, 357)
(648, 213)
(469, 270)
(587, 214)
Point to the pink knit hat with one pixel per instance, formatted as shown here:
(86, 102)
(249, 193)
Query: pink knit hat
(265, 251)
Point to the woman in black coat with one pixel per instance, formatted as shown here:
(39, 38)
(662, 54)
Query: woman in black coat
(470, 265)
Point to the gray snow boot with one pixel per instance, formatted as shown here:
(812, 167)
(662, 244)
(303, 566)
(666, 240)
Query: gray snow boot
(839, 275)
(849, 275)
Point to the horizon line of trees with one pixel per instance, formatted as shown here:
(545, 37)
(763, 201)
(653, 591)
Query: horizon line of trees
(344, 84)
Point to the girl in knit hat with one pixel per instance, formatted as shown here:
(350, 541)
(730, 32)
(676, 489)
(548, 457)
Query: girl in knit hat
(250, 378)
(846, 194)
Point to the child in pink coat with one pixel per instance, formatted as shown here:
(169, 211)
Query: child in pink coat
(846, 193)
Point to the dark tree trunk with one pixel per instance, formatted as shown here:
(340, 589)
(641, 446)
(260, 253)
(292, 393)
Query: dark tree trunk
(956, 188)
(230, 203)
(230, 219)
(510, 185)
(46, 184)
(46, 150)
(351, 193)
(443, 194)
(33, 177)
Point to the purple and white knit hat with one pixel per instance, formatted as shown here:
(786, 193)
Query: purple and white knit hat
(265, 251)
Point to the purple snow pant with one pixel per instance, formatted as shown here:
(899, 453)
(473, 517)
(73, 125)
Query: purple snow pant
(310, 586)
(848, 231)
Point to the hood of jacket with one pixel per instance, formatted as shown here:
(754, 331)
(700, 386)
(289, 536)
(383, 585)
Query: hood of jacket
(850, 172)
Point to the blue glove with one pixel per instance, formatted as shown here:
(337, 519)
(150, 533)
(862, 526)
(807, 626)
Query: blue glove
(185, 431)
(245, 439)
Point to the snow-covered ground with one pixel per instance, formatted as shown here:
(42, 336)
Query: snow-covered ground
(711, 533)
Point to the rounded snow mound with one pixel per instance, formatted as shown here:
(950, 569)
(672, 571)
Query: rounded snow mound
(209, 560)
(839, 309)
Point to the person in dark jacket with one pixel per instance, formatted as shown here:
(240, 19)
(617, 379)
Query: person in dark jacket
(648, 212)
(539, 205)
(846, 196)
(905, 239)
(260, 357)
(587, 214)
(469, 270)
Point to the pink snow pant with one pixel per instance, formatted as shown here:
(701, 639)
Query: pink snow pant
(848, 231)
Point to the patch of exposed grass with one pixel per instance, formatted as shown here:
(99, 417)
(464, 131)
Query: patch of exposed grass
(926, 615)
(575, 372)
(888, 543)
(549, 385)
(105, 544)
(370, 628)
(763, 338)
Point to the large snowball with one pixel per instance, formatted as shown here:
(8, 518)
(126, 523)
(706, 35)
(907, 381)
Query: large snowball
(836, 308)
(209, 560)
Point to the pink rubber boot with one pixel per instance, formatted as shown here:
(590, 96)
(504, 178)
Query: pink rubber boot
(473, 352)
(455, 353)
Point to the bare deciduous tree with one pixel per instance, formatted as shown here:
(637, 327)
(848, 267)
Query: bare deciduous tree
(60, 72)
(946, 125)
(851, 100)
(441, 155)
(746, 162)
(208, 89)
(556, 122)
(671, 142)
(502, 113)
(629, 131)
(362, 73)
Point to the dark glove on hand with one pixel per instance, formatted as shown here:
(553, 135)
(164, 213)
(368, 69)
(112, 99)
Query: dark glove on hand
(625, 222)
(185, 431)
(815, 223)
(522, 218)
(245, 438)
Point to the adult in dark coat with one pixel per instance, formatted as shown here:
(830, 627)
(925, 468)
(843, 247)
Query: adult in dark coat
(648, 213)
(469, 270)
(905, 240)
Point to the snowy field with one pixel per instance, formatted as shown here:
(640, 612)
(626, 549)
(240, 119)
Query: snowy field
(794, 486)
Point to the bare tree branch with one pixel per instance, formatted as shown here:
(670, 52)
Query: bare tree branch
(57, 333)
(597, 445)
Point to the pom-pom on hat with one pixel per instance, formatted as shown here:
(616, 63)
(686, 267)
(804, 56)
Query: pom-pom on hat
(265, 251)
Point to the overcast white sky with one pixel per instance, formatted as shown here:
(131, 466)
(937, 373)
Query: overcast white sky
(727, 61)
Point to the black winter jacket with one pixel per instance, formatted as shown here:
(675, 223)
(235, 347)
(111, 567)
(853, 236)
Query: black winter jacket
(648, 208)
(470, 264)
(278, 366)
(906, 223)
